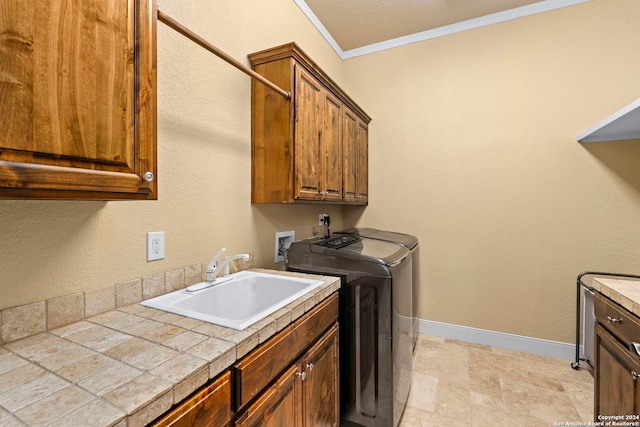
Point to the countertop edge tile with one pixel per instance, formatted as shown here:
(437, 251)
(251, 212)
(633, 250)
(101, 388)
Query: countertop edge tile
(624, 292)
(206, 358)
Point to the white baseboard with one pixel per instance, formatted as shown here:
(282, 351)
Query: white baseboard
(542, 347)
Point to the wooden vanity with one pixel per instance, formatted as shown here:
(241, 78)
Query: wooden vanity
(291, 379)
(617, 362)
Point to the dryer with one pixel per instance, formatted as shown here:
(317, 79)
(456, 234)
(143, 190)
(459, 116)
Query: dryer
(376, 345)
(411, 243)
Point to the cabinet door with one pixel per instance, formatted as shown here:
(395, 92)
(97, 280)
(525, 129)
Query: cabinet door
(309, 99)
(210, 406)
(350, 156)
(279, 405)
(616, 377)
(77, 100)
(263, 365)
(321, 383)
(356, 159)
(362, 174)
(332, 149)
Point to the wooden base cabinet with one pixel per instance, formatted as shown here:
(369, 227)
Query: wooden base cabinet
(321, 384)
(305, 395)
(293, 379)
(311, 148)
(210, 406)
(616, 368)
(278, 406)
(290, 380)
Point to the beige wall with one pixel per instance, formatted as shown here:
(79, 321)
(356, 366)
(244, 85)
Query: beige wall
(49, 249)
(472, 149)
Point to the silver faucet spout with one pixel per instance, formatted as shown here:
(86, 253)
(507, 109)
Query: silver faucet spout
(212, 267)
(228, 259)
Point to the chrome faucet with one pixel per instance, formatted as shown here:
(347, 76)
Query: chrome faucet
(228, 259)
(212, 267)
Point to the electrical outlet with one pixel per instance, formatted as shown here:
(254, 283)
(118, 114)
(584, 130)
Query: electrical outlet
(321, 218)
(283, 241)
(155, 245)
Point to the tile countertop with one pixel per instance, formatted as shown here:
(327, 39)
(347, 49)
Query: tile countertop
(128, 366)
(625, 292)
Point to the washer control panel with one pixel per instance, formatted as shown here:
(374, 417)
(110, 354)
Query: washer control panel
(339, 242)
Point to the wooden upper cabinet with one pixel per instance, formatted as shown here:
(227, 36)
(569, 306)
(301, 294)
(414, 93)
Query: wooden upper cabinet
(308, 146)
(318, 141)
(362, 152)
(300, 146)
(332, 166)
(356, 159)
(78, 99)
(350, 156)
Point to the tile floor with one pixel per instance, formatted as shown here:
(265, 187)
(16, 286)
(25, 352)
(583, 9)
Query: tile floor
(456, 383)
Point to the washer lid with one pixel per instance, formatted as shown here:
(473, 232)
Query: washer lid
(390, 236)
(368, 250)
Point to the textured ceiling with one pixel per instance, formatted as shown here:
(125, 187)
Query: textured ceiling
(357, 23)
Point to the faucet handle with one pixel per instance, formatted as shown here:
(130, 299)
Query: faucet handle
(212, 267)
(228, 259)
(218, 255)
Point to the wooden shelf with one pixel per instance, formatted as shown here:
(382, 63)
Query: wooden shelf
(625, 124)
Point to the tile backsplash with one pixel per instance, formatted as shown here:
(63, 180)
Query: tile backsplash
(31, 319)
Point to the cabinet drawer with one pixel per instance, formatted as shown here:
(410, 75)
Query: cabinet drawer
(613, 317)
(210, 406)
(278, 406)
(257, 370)
(615, 377)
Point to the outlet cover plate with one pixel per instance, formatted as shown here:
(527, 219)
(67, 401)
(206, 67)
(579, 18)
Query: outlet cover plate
(155, 245)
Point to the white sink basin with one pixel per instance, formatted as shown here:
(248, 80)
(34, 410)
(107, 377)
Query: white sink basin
(236, 301)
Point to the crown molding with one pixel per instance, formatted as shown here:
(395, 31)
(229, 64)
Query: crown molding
(494, 18)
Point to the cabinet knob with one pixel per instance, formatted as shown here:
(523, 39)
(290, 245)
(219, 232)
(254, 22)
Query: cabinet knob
(634, 375)
(635, 348)
(310, 366)
(613, 319)
(302, 375)
(148, 176)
